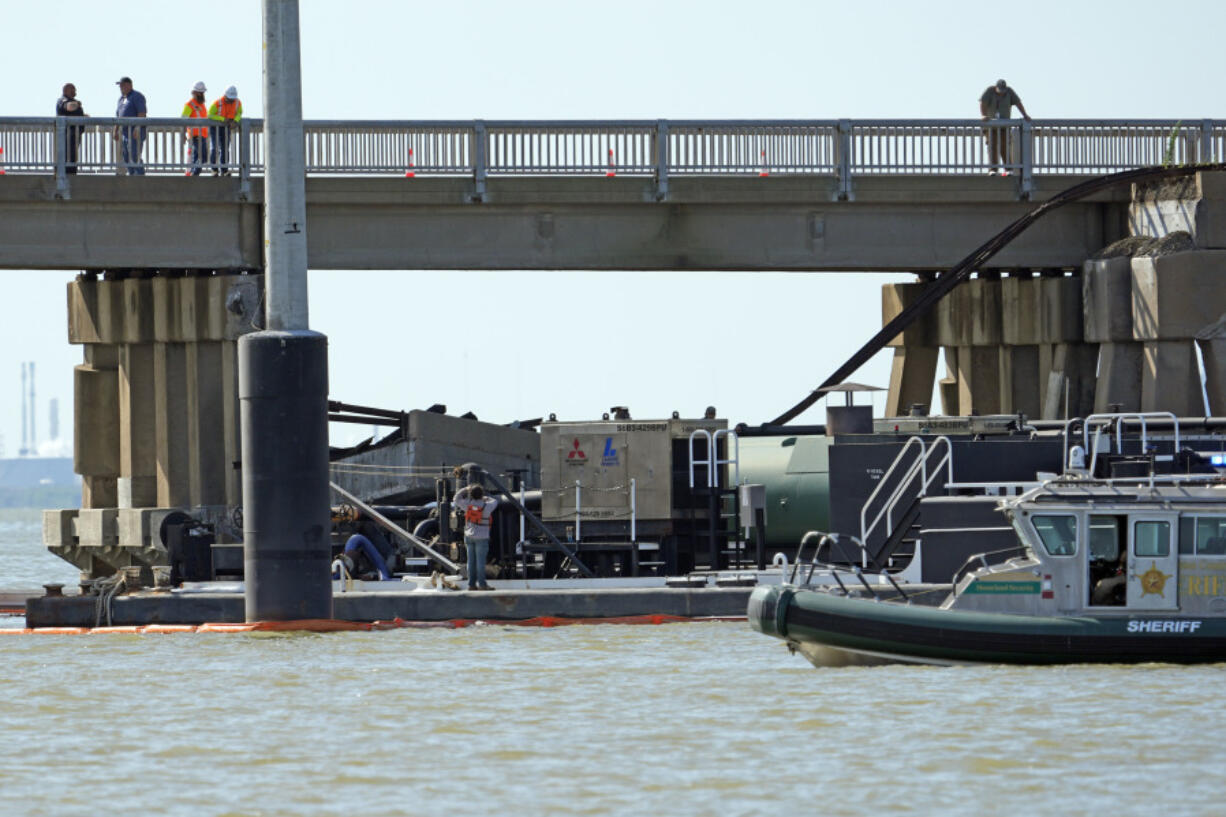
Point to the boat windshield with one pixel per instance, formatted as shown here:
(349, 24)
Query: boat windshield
(1057, 532)
(1206, 533)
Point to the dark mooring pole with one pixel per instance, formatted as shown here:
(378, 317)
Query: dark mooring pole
(283, 371)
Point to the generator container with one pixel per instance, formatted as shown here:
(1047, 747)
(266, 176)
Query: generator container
(649, 481)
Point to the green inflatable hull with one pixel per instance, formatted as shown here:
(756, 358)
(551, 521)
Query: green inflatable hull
(831, 628)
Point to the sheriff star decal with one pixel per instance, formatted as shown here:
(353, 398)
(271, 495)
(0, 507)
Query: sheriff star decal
(1153, 581)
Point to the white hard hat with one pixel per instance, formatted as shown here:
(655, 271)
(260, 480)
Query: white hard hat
(199, 86)
(231, 93)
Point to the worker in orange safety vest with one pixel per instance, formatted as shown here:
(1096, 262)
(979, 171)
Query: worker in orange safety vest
(198, 138)
(228, 109)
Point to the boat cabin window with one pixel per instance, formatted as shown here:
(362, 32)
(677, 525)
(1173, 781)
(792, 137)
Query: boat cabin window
(1058, 533)
(1105, 538)
(1152, 538)
(1108, 579)
(1203, 535)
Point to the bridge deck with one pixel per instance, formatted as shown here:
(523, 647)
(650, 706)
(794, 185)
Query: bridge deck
(784, 222)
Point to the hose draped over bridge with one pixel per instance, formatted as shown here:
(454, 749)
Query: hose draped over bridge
(963, 270)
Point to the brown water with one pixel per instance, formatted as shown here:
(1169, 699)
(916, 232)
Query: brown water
(685, 719)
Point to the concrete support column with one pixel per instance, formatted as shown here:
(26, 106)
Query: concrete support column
(171, 424)
(137, 456)
(1107, 309)
(915, 352)
(1177, 299)
(911, 377)
(95, 451)
(1070, 381)
(979, 379)
(231, 413)
(948, 385)
(1019, 380)
(206, 394)
(1170, 378)
(137, 485)
(1119, 377)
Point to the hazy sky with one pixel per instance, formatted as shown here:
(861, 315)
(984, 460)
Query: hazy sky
(398, 339)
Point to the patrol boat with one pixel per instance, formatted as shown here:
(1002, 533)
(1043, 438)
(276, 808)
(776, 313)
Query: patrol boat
(1123, 560)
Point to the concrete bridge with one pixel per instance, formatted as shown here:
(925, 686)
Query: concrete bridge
(841, 195)
(156, 400)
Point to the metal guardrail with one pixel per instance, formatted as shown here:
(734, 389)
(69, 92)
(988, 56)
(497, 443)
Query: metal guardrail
(843, 149)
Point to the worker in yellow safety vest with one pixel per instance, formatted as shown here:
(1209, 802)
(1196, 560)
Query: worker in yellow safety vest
(227, 108)
(198, 138)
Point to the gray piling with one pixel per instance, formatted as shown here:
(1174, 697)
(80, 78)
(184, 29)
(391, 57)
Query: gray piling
(283, 391)
(283, 371)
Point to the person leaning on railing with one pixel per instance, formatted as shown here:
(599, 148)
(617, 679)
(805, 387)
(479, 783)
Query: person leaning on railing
(131, 104)
(198, 138)
(997, 102)
(68, 105)
(227, 108)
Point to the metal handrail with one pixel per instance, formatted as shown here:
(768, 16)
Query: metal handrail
(866, 530)
(707, 462)
(947, 463)
(1101, 420)
(920, 465)
(838, 148)
(734, 460)
(835, 540)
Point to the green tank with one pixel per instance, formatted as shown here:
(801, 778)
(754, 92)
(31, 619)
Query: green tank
(796, 472)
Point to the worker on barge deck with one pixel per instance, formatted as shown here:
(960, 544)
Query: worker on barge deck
(478, 510)
(367, 555)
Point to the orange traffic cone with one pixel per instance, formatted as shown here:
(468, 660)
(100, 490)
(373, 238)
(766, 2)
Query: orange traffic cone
(764, 172)
(611, 172)
(1, 161)
(410, 173)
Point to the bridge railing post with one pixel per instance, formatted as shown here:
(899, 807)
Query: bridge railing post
(61, 158)
(480, 168)
(244, 159)
(842, 155)
(1025, 180)
(1206, 141)
(661, 159)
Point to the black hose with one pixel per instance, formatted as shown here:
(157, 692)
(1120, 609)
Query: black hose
(964, 268)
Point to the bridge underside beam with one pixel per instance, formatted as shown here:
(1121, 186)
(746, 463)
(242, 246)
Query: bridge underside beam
(779, 223)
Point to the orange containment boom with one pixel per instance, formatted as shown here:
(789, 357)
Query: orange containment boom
(329, 625)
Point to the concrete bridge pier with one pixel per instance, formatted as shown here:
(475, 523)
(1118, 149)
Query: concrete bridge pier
(1011, 344)
(1164, 290)
(1176, 298)
(156, 404)
(1140, 326)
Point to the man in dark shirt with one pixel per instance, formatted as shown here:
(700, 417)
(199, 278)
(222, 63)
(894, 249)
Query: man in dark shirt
(131, 104)
(67, 105)
(996, 102)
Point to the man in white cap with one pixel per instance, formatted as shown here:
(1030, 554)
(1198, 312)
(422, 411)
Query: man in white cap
(227, 108)
(198, 138)
(996, 102)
